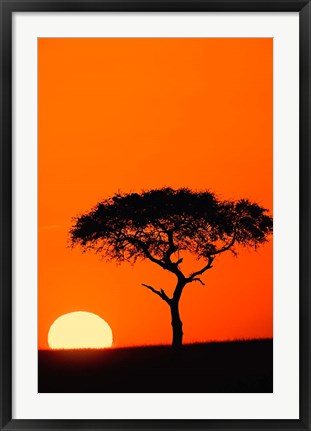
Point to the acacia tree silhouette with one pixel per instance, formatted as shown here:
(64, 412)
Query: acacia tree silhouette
(162, 224)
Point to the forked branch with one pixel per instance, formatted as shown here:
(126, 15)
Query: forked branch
(209, 265)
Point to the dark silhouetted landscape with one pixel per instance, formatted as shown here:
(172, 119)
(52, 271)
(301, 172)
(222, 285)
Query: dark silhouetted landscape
(236, 366)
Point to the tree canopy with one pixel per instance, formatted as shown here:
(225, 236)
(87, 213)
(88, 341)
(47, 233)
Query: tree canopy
(157, 223)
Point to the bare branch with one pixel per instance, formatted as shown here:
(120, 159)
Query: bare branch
(201, 271)
(160, 293)
(199, 280)
(231, 243)
(210, 259)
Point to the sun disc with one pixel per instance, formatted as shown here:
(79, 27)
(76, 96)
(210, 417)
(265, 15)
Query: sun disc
(80, 330)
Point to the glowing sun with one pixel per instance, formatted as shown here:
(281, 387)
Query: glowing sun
(80, 330)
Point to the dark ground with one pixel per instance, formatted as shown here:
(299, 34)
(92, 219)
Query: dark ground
(239, 366)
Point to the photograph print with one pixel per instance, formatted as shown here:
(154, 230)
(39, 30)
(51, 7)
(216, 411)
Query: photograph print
(155, 215)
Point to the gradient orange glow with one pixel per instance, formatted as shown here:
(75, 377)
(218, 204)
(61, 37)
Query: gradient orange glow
(132, 114)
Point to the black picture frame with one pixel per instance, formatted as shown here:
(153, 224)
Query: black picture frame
(7, 8)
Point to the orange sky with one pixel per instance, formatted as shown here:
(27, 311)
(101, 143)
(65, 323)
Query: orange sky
(132, 114)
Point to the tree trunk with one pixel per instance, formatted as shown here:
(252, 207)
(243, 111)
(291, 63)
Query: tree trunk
(176, 325)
